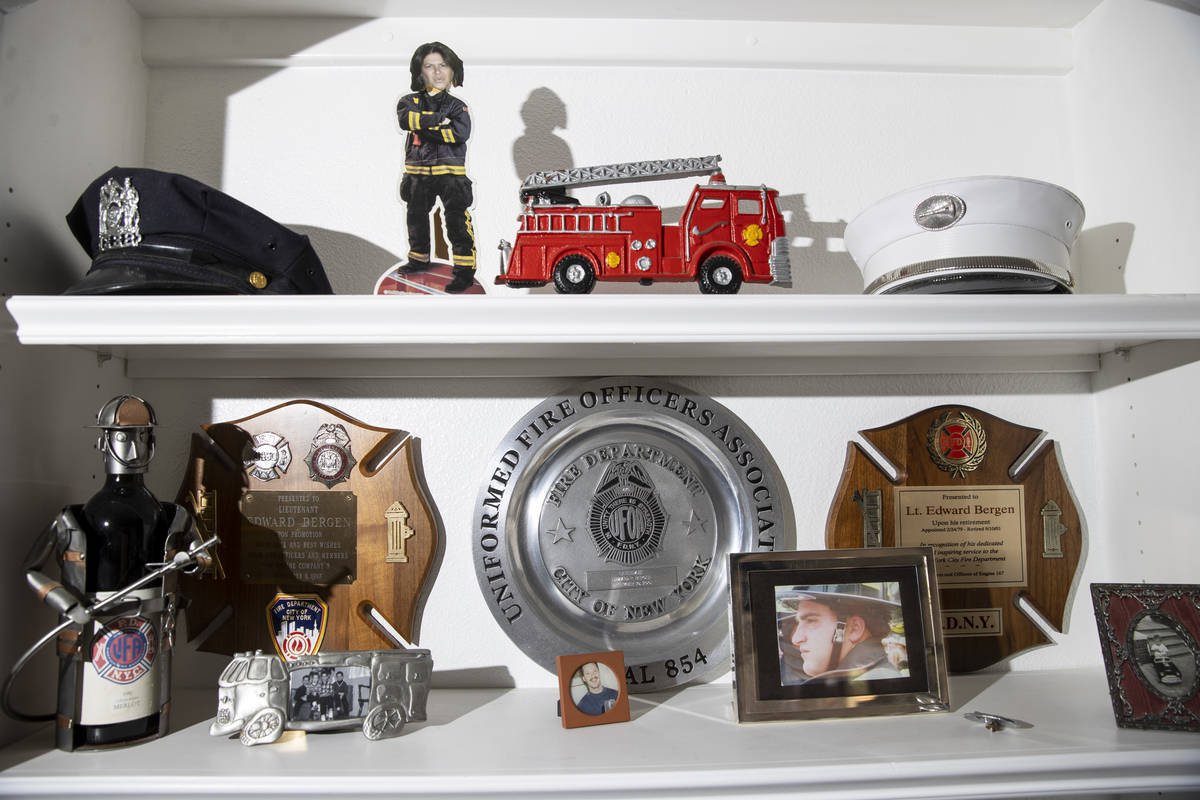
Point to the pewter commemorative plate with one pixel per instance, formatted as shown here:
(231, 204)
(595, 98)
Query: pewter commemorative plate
(606, 519)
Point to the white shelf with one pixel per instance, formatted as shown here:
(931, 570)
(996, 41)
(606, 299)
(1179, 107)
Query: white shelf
(1018, 13)
(362, 335)
(496, 742)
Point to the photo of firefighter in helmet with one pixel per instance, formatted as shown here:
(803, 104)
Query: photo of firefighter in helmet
(437, 126)
(851, 632)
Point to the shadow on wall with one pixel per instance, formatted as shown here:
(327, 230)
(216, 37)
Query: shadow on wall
(352, 263)
(1183, 5)
(820, 263)
(539, 147)
(33, 260)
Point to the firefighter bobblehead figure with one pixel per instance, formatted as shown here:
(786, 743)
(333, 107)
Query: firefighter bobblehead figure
(438, 125)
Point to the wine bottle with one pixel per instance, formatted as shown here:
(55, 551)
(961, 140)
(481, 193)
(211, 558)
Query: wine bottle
(124, 531)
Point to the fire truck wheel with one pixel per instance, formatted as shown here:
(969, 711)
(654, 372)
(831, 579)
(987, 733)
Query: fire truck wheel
(574, 275)
(263, 728)
(720, 275)
(383, 722)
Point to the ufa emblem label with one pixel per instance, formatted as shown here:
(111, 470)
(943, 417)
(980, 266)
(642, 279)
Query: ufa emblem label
(125, 649)
(957, 443)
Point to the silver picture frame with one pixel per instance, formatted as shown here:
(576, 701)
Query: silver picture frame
(836, 633)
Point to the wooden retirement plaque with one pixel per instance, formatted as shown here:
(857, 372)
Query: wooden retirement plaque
(1000, 518)
(327, 533)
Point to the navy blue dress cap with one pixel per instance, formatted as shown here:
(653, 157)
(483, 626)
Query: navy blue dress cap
(152, 232)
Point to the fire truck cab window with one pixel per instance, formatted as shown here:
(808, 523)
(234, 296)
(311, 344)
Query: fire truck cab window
(258, 669)
(277, 672)
(712, 202)
(234, 672)
(748, 206)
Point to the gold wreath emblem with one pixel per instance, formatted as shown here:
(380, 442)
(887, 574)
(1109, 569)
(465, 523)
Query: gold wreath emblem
(956, 442)
(752, 234)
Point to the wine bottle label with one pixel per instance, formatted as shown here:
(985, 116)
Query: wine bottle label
(120, 681)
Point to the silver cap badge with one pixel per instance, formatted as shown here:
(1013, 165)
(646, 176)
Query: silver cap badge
(120, 221)
(939, 211)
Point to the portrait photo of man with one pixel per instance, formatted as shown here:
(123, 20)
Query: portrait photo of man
(595, 698)
(852, 632)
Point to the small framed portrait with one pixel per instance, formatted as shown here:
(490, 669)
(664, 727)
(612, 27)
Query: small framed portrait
(836, 633)
(1148, 635)
(592, 689)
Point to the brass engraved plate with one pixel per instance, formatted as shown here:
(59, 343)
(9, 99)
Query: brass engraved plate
(977, 532)
(310, 537)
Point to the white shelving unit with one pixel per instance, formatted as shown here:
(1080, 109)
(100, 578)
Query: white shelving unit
(486, 336)
(286, 104)
(509, 743)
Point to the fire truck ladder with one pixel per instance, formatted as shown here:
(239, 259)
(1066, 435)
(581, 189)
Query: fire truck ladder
(557, 181)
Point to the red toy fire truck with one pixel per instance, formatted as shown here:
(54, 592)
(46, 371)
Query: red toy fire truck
(726, 234)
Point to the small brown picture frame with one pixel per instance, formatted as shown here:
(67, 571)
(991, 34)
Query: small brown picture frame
(591, 689)
(1148, 635)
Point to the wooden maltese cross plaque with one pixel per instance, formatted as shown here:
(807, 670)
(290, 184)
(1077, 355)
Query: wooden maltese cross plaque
(990, 498)
(328, 538)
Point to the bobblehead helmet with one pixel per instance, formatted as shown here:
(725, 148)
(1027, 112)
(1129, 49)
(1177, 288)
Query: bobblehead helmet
(452, 60)
(126, 438)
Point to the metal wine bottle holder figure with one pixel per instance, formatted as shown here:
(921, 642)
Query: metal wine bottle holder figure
(117, 557)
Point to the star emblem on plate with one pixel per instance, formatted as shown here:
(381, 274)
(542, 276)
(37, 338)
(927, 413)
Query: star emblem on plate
(694, 523)
(560, 532)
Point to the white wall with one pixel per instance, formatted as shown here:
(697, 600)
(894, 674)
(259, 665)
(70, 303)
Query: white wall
(1134, 113)
(319, 148)
(72, 104)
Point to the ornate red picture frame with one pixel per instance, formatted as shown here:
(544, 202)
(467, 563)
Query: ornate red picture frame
(1149, 635)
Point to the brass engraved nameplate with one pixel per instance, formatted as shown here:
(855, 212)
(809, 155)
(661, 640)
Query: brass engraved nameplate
(309, 537)
(977, 532)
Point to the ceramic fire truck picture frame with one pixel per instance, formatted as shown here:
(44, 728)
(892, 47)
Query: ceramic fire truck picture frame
(1148, 636)
(591, 689)
(261, 695)
(836, 633)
